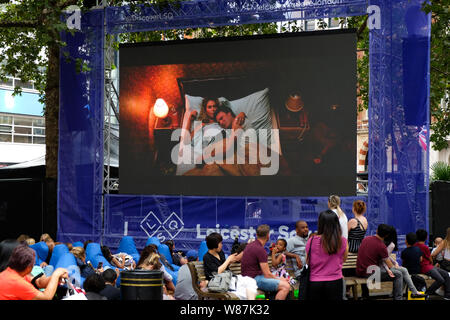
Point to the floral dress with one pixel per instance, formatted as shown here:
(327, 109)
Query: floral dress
(281, 271)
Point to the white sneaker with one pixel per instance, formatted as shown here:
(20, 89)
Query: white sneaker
(440, 292)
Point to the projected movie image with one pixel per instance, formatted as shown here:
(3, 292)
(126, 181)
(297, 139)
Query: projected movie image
(243, 116)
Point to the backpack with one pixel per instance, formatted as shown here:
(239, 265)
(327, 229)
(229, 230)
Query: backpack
(220, 282)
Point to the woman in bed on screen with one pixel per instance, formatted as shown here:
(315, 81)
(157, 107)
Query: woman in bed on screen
(208, 108)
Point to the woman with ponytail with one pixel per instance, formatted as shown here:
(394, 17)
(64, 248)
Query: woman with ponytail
(334, 203)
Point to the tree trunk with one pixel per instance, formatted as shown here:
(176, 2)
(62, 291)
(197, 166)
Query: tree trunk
(51, 141)
(52, 113)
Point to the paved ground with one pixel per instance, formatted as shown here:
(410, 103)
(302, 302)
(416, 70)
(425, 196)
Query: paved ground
(385, 292)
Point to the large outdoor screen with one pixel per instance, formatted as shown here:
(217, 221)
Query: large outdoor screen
(252, 116)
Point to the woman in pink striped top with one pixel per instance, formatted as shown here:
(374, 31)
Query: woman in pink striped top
(328, 253)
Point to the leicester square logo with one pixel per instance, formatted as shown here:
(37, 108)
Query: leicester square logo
(155, 226)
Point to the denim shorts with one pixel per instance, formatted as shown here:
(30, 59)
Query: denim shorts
(267, 284)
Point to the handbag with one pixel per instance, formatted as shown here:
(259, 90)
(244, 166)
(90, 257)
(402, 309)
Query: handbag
(73, 293)
(220, 282)
(304, 278)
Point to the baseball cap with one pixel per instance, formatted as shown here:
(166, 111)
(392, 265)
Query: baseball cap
(192, 253)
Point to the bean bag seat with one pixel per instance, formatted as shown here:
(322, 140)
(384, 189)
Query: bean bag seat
(164, 250)
(41, 250)
(93, 249)
(153, 240)
(94, 255)
(127, 245)
(78, 244)
(68, 261)
(57, 253)
(202, 250)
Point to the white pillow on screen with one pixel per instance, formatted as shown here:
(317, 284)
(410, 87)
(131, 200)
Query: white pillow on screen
(256, 107)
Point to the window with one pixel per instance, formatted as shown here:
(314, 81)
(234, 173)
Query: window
(6, 119)
(22, 129)
(5, 137)
(5, 128)
(39, 140)
(310, 25)
(39, 122)
(8, 83)
(24, 85)
(22, 121)
(23, 139)
(39, 131)
(12, 82)
(333, 23)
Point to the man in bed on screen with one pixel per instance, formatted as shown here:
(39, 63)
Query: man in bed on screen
(238, 152)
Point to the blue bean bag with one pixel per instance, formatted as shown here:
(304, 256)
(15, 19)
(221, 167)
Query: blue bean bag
(174, 275)
(164, 250)
(202, 250)
(153, 240)
(78, 244)
(94, 255)
(57, 253)
(68, 261)
(93, 249)
(127, 245)
(41, 250)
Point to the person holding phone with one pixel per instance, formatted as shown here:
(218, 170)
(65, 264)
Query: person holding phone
(214, 260)
(86, 268)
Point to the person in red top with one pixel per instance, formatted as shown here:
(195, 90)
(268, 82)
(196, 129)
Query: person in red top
(372, 252)
(254, 264)
(440, 276)
(15, 282)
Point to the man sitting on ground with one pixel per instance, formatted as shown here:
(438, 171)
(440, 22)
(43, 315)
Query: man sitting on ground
(111, 292)
(15, 282)
(254, 263)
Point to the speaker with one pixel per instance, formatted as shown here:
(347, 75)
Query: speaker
(440, 209)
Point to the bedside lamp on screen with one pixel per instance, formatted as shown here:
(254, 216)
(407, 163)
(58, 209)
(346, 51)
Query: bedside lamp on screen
(294, 103)
(160, 110)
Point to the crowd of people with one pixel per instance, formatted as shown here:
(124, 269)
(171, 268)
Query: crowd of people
(323, 251)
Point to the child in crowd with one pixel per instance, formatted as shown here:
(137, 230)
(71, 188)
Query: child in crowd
(439, 257)
(279, 261)
(411, 258)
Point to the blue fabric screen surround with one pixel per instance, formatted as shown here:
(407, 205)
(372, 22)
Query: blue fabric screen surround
(398, 119)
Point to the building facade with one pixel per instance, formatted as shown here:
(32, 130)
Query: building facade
(22, 123)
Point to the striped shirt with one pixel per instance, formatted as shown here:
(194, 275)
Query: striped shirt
(355, 236)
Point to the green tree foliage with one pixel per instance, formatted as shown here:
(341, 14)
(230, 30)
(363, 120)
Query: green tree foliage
(439, 71)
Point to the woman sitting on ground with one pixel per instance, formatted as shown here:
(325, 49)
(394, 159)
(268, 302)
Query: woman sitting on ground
(144, 262)
(152, 262)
